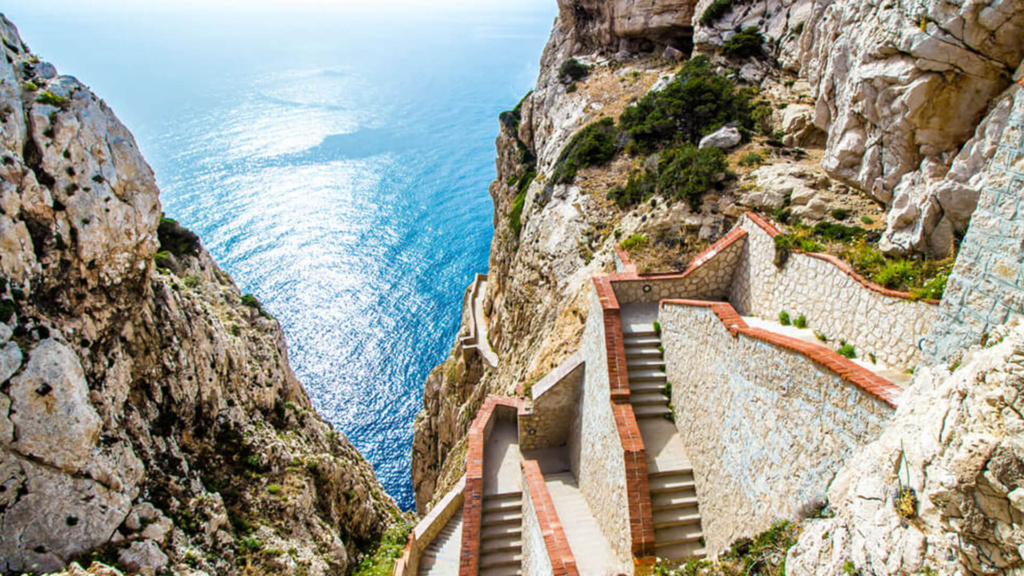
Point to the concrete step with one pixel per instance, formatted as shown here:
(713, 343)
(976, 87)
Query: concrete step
(671, 483)
(685, 498)
(642, 351)
(677, 535)
(501, 531)
(505, 558)
(639, 387)
(635, 340)
(499, 504)
(651, 411)
(502, 517)
(679, 517)
(647, 399)
(646, 375)
(638, 330)
(501, 571)
(494, 545)
(648, 363)
(682, 551)
(504, 496)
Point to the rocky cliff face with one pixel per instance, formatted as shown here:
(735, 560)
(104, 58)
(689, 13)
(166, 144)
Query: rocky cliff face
(910, 95)
(148, 414)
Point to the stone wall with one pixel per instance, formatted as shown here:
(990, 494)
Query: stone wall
(428, 528)
(595, 450)
(766, 427)
(836, 302)
(985, 289)
(546, 418)
(709, 276)
(546, 550)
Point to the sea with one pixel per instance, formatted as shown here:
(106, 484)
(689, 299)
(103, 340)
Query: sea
(334, 157)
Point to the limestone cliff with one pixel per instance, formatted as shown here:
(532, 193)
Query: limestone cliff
(148, 414)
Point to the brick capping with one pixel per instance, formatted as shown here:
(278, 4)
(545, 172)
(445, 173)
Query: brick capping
(563, 563)
(724, 242)
(773, 231)
(857, 375)
(473, 494)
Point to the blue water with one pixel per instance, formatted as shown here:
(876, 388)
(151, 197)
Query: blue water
(336, 164)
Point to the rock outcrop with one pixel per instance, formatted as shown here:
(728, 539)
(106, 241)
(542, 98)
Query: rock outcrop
(148, 414)
(943, 488)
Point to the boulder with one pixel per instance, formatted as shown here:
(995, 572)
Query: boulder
(723, 138)
(143, 557)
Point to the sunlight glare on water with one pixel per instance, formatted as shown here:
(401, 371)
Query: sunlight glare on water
(336, 165)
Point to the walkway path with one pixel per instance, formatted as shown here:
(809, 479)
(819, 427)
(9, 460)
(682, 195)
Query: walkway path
(591, 549)
(483, 342)
(441, 558)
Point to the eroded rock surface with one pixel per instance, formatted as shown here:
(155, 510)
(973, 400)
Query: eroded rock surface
(143, 412)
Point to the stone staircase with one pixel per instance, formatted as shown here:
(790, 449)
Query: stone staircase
(501, 535)
(677, 528)
(441, 558)
(646, 372)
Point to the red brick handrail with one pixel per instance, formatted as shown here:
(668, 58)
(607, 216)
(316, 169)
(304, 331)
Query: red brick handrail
(473, 495)
(857, 375)
(773, 231)
(563, 563)
(641, 520)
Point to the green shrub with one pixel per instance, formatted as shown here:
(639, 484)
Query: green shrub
(932, 289)
(570, 88)
(830, 232)
(515, 216)
(51, 99)
(821, 336)
(840, 213)
(896, 273)
(274, 488)
(716, 10)
(511, 118)
(591, 146)
(747, 43)
(847, 350)
(687, 172)
(751, 159)
(867, 220)
(657, 328)
(177, 239)
(800, 322)
(162, 259)
(252, 302)
(695, 103)
(573, 69)
(29, 86)
(633, 242)
(381, 560)
(191, 281)
(784, 318)
(639, 187)
(7, 309)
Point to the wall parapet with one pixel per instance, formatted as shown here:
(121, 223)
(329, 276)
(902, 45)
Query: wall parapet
(424, 533)
(477, 340)
(539, 515)
(473, 493)
(546, 411)
(849, 371)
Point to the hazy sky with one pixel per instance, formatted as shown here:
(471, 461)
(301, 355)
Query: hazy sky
(250, 6)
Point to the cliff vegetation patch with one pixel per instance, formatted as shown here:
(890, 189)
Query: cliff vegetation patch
(764, 555)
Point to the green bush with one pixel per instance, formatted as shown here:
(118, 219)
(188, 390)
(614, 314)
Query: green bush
(657, 328)
(29, 86)
(591, 146)
(570, 88)
(867, 219)
(784, 318)
(515, 216)
(7, 309)
(573, 69)
(751, 159)
(177, 239)
(932, 289)
(695, 103)
(840, 213)
(191, 281)
(633, 242)
(896, 273)
(51, 99)
(715, 11)
(687, 172)
(381, 560)
(747, 43)
(639, 187)
(162, 259)
(847, 350)
(511, 118)
(274, 488)
(800, 322)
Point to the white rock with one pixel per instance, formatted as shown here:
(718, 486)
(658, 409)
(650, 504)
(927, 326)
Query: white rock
(724, 138)
(144, 557)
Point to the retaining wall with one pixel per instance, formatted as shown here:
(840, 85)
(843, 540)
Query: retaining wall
(545, 418)
(427, 530)
(986, 288)
(835, 300)
(768, 420)
(546, 550)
